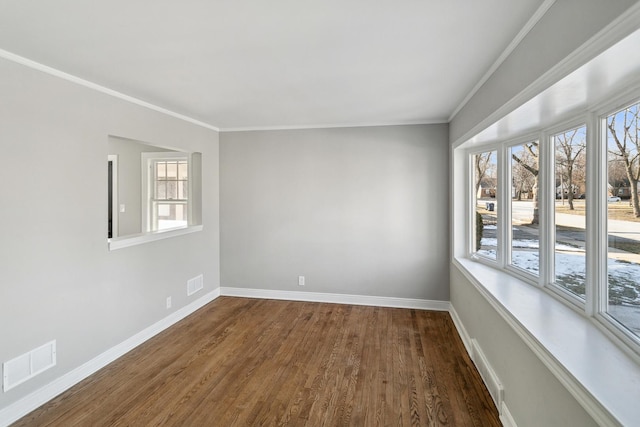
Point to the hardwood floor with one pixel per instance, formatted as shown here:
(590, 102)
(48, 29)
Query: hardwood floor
(251, 362)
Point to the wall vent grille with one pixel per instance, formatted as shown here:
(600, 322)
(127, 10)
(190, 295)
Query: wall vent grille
(195, 284)
(26, 366)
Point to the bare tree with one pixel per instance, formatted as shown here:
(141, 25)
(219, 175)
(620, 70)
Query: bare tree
(523, 180)
(580, 172)
(626, 149)
(616, 174)
(570, 146)
(529, 161)
(483, 165)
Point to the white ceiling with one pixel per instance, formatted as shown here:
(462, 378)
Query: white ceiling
(280, 63)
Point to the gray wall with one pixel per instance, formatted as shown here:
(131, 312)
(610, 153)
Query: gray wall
(567, 25)
(57, 278)
(359, 211)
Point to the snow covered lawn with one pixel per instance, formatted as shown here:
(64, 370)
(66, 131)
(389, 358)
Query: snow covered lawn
(624, 287)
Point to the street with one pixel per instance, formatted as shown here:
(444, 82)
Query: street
(570, 228)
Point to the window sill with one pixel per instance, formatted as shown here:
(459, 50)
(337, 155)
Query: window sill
(139, 239)
(602, 377)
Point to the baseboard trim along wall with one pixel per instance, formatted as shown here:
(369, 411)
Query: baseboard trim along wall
(488, 374)
(376, 301)
(506, 418)
(464, 335)
(39, 397)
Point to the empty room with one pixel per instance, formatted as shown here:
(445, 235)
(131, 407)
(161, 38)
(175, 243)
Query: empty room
(320, 213)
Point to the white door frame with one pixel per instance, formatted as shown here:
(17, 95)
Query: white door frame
(113, 158)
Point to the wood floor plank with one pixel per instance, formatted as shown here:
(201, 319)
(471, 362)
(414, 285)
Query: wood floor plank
(250, 362)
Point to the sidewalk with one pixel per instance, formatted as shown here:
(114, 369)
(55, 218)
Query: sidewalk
(623, 229)
(626, 229)
(521, 212)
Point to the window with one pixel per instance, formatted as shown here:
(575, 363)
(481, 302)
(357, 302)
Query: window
(549, 233)
(167, 190)
(170, 194)
(570, 188)
(486, 215)
(623, 217)
(525, 240)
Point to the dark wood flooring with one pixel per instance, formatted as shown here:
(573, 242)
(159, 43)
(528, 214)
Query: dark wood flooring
(251, 362)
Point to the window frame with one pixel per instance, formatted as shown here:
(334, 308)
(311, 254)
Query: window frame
(149, 160)
(472, 200)
(601, 233)
(550, 232)
(595, 304)
(508, 210)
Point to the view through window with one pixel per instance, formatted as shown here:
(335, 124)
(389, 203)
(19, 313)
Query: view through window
(623, 217)
(570, 187)
(486, 215)
(525, 241)
(169, 198)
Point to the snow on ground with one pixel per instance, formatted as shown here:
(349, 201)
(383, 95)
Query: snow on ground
(528, 244)
(624, 288)
(567, 264)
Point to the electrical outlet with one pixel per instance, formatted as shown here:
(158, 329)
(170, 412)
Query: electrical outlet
(168, 302)
(300, 280)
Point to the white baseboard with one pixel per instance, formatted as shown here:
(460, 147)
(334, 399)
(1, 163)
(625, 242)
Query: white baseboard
(506, 418)
(464, 335)
(419, 304)
(489, 376)
(22, 407)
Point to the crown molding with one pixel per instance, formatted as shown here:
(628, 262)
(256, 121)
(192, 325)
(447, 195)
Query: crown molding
(332, 126)
(540, 12)
(614, 32)
(98, 88)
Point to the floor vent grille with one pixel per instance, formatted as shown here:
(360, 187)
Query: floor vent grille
(488, 374)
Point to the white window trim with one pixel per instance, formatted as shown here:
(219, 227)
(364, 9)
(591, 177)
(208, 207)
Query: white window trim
(139, 239)
(147, 211)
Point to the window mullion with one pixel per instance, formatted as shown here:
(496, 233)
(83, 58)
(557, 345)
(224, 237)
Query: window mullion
(596, 208)
(503, 198)
(546, 198)
(470, 199)
(190, 195)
